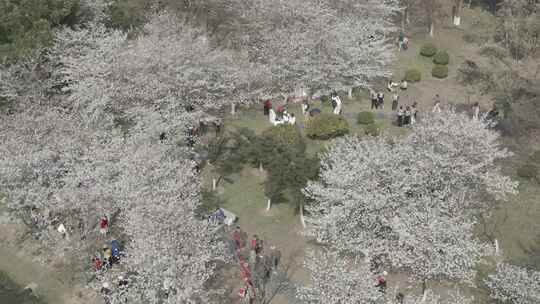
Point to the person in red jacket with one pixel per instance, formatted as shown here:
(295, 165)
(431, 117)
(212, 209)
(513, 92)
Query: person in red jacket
(104, 225)
(267, 106)
(254, 242)
(381, 282)
(97, 263)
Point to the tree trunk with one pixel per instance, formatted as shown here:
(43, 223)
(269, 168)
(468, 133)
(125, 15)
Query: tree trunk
(214, 184)
(404, 18)
(260, 167)
(424, 290)
(302, 220)
(268, 204)
(349, 93)
(457, 13)
(431, 28)
(497, 249)
(233, 109)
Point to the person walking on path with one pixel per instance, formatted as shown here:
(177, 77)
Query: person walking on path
(395, 100)
(254, 242)
(380, 100)
(336, 104)
(476, 111)
(400, 114)
(275, 255)
(413, 113)
(437, 104)
(237, 237)
(381, 282)
(266, 107)
(305, 107)
(407, 116)
(403, 85)
(104, 225)
(373, 100)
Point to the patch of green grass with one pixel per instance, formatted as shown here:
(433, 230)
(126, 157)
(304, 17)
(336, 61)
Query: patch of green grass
(245, 197)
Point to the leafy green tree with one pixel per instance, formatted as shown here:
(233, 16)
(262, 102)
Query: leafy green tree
(26, 25)
(229, 152)
(282, 151)
(127, 14)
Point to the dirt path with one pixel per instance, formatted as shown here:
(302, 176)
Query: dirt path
(22, 267)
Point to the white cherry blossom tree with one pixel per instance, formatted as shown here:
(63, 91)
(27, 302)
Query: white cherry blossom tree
(336, 280)
(411, 202)
(514, 284)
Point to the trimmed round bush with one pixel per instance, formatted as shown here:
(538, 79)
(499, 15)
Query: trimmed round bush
(325, 98)
(528, 171)
(428, 50)
(535, 157)
(372, 129)
(441, 57)
(326, 126)
(440, 71)
(365, 118)
(285, 135)
(413, 75)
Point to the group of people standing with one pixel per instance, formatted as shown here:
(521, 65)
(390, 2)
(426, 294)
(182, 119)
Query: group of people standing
(280, 115)
(259, 266)
(406, 115)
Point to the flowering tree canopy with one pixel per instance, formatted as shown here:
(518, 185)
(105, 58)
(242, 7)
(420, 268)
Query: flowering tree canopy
(409, 201)
(334, 280)
(172, 252)
(317, 44)
(514, 284)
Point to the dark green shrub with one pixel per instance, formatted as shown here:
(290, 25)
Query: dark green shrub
(284, 135)
(413, 75)
(440, 71)
(325, 98)
(326, 126)
(365, 118)
(209, 203)
(29, 25)
(372, 129)
(127, 14)
(441, 57)
(428, 50)
(528, 171)
(535, 157)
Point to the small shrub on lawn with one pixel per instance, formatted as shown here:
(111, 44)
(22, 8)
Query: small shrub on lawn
(428, 50)
(284, 135)
(535, 157)
(413, 75)
(372, 129)
(325, 99)
(440, 71)
(365, 118)
(326, 126)
(528, 171)
(441, 57)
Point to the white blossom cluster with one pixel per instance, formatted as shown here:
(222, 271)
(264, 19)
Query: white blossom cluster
(411, 201)
(514, 284)
(336, 280)
(84, 139)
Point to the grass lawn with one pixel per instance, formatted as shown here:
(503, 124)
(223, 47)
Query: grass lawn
(245, 194)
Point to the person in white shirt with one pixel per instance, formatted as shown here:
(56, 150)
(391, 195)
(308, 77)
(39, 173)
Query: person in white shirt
(476, 111)
(292, 119)
(337, 109)
(437, 104)
(403, 84)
